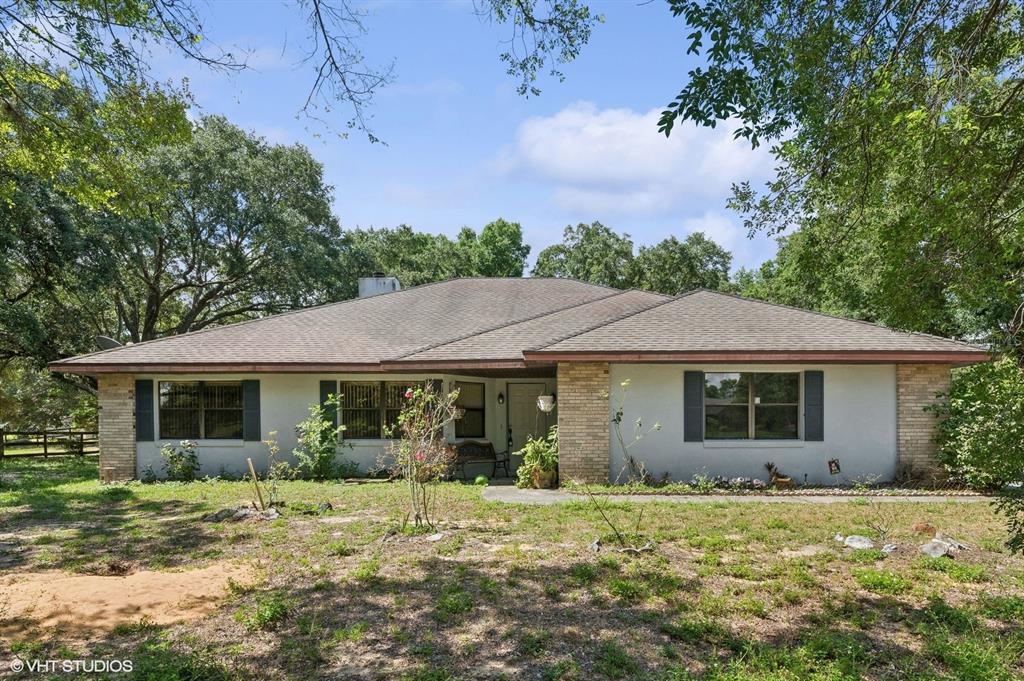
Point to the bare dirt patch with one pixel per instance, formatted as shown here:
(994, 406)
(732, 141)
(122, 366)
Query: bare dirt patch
(82, 606)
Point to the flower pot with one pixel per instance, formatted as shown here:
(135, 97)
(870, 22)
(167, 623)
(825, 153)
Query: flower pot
(543, 479)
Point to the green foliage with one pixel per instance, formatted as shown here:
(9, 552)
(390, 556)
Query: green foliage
(181, 463)
(32, 399)
(896, 133)
(981, 434)
(540, 455)
(592, 253)
(882, 581)
(421, 456)
(266, 612)
(615, 663)
(957, 571)
(481, 481)
(318, 444)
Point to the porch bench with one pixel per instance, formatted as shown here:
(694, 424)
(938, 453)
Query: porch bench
(479, 451)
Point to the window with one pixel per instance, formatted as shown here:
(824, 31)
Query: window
(370, 410)
(758, 406)
(471, 401)
(194, 410)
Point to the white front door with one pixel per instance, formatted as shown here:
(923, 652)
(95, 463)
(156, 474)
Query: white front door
(524, 418)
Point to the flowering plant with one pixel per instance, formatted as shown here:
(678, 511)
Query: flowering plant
(420, 455)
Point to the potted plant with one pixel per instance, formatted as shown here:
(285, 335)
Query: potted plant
(540, 461)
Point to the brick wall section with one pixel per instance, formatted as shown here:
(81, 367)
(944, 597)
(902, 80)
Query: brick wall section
(117, 427)
(916, 386)
(584, 452)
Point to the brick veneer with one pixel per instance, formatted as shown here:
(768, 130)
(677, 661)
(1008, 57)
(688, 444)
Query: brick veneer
(916, 387)
(117, 427)
(583, 422)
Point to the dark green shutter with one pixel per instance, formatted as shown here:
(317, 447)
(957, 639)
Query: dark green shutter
(251, 411)
(328, 388)
(144, 410)
(693, 406)
(814, 406)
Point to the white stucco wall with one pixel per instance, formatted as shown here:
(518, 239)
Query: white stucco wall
(285, 400)
(860, 426)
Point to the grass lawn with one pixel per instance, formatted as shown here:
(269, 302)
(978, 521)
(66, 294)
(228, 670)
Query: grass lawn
(732, 591)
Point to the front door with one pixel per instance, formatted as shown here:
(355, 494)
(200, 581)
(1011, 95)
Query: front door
(524, 418)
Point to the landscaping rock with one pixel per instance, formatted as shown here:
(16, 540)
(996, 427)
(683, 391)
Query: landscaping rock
(952, 542)
(936, 548)
(839, 538)
(889, 549)
(324, 507)
(240, 513)
(595, 546)
(855, 541)
(436, 537)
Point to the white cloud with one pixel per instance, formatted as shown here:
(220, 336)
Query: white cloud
(615, 161)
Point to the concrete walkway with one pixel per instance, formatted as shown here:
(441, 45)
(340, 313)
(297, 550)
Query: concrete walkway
(543, 497)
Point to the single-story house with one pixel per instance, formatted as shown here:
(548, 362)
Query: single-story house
(733, 382)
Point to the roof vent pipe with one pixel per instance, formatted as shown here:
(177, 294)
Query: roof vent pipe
(377, 284)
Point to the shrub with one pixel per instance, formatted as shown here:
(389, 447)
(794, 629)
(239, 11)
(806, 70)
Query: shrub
(481, 481)
(180, 463)
(269, 610)
(318, 440)
(540, 455)
(981, 437)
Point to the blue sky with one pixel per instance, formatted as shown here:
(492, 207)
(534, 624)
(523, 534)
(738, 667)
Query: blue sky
(464, 148)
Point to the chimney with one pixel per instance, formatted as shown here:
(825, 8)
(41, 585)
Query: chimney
(376, 284)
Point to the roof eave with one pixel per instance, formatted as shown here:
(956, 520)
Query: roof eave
(747, 356)
(212, 367)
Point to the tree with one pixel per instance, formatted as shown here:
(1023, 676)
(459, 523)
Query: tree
(244, 229)
(898, 131)
(592, 253)
(596, 254)
(499, 250)
(674, 266)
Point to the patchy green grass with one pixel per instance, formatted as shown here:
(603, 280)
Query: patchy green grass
(731, 591)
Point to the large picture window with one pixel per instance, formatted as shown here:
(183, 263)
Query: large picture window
(471, 402)
(200, 410)
(752, 406)
(369, 410)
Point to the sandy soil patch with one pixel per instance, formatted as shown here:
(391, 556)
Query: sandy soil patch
(48, 603)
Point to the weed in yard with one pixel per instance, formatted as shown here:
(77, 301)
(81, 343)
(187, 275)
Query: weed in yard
(553, 591)
(752, 605)
(864, 556)
(694, 630)
(367, 570)
(1009, 609)
(489, 588)
(351, 633)
(583, 573)
(156, 659)
(563, 670)
(532, 643)
(340, 548)
(452, 602)
(741, 571)
(452, 546)
(882, 581)
(268, 610)
(614, 662)
(628, 590)
(958, 572)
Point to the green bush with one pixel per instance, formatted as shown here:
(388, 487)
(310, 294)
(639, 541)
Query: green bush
(539, 455)
(317, 453)
(481, 481)
(981, 437)
(181, 463)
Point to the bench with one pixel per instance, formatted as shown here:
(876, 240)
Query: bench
(479, 451)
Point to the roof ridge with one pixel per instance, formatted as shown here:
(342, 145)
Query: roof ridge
(503, 325)
(606, 322)
(875, 325)
(276, 315)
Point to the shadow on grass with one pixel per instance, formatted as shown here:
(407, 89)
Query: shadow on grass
(55, 515)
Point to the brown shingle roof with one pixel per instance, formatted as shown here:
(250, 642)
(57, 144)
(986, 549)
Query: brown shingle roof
(513, 321)
(508, 342)
(709, 321)
(363, 331)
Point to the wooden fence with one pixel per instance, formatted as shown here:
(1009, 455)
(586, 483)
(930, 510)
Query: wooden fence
(48, 442)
